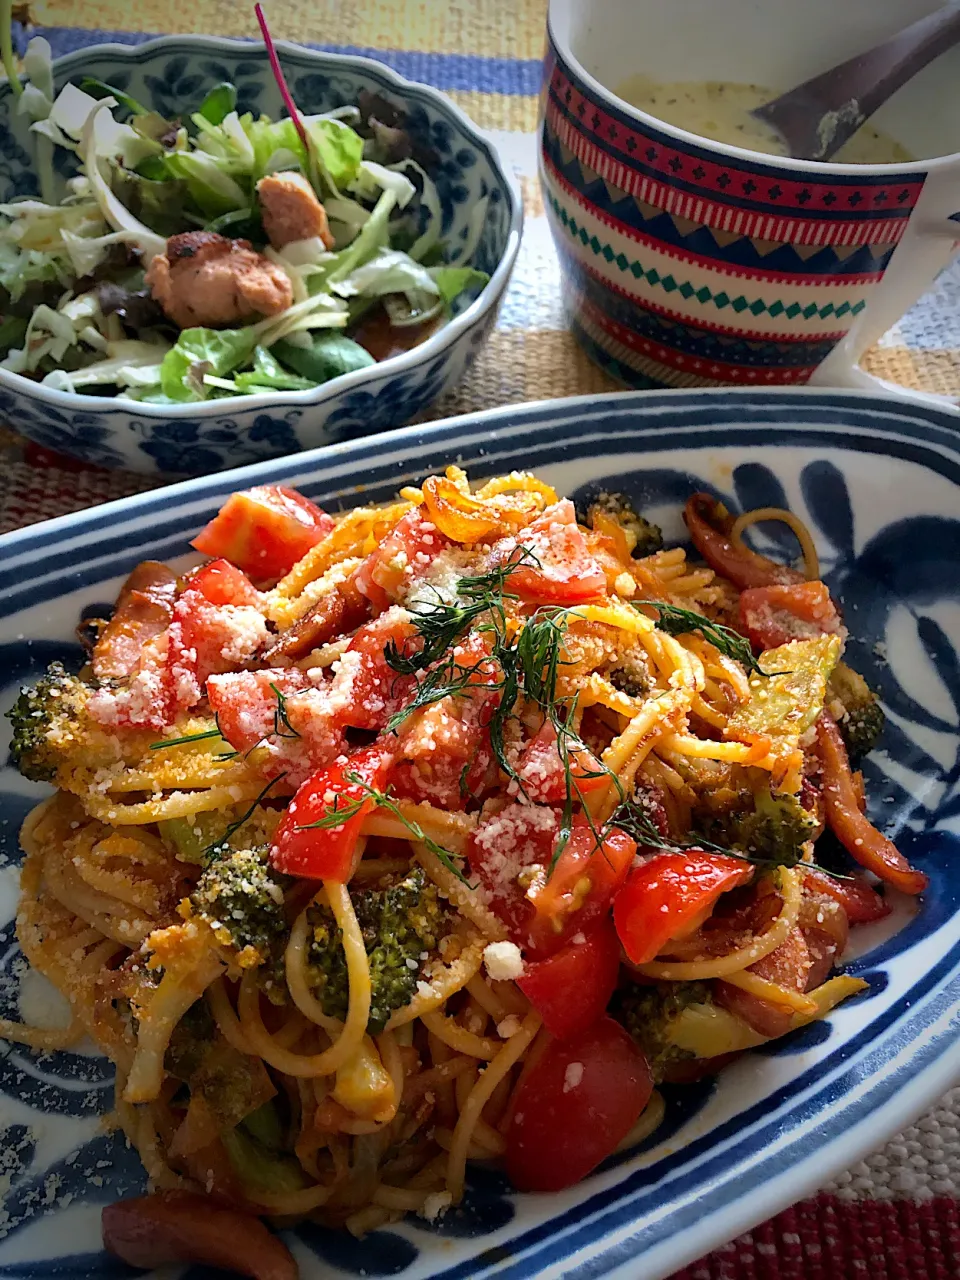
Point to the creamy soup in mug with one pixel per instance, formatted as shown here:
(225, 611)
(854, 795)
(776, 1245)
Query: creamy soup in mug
(720, 110)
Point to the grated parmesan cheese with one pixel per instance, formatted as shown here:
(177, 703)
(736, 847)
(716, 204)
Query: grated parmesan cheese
(503, 961)
(572, 1076)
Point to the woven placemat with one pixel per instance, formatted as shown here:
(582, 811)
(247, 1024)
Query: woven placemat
(895, 1215)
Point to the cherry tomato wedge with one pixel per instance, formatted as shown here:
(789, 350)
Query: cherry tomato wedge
(710, 526)
(376, 690)
(669, 895)
(543, 775)
(179, 1226)
(561, 568)
(329, 852)
(860, 901)
(574, 1106)
(572, 988)
(853, 829)
(772, 616)
(545, 912)
(246, 705)
(404, 556)
(265, 530)
(580, 887)
(220, 582)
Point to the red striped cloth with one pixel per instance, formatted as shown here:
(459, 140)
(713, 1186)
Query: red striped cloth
(831, 1239)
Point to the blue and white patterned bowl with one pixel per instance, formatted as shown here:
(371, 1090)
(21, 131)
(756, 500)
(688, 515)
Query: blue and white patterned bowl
(171, 74)
(878, 482)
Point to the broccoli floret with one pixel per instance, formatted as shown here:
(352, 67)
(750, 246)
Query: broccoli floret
(643, 537)
(401, 924)
(48, 722)
(861, 717)
(242, 900)
(631, 675)
(648, 1014)
(771, 828)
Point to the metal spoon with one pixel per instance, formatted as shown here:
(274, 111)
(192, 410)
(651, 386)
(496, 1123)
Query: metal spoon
(818, 117)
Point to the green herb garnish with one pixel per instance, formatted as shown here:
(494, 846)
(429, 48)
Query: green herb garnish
(336, 816)
(676, 621)
(221, 846)
(280, 716)
(190, 737)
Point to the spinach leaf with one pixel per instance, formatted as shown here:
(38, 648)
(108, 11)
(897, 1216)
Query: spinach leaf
(328, 356)
(219, 102)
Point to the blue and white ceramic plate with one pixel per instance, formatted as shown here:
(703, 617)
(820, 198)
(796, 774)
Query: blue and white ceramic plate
(193, 439)
(879, 483)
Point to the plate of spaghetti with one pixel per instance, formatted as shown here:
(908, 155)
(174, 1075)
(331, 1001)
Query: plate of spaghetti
(520, 846)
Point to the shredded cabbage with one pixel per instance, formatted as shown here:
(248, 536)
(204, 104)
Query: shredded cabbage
(115, 213)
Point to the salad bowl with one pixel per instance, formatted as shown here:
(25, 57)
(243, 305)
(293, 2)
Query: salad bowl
(480, 214)
(878, 483)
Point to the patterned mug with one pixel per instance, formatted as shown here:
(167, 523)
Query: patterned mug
(691, 263)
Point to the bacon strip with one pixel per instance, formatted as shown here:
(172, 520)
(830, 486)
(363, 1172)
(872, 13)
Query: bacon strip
(144, 609)
(178, 1226)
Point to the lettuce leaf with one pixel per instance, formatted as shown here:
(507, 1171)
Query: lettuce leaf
(339, 149)
(214, 191)
(268, 374)
(201, 351)
(451, 281)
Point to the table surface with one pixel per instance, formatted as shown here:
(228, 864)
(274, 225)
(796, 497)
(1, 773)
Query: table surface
(896, 1214)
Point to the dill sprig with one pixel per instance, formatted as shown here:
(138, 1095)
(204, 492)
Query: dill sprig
(221, 846)
(676, 621)
(632, 818)
(280, 716)
(189, 737)
(336, 815)
(529, 666)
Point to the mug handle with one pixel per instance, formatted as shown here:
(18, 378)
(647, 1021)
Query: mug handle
(923, 261)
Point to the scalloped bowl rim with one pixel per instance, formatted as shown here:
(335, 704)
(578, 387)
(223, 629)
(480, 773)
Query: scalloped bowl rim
(489, 296)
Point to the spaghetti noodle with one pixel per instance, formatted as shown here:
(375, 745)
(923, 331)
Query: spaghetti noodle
(367, 872)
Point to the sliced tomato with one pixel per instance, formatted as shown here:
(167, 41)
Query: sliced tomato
(772, 616)
(574, 1106)
(561, 569)
(403, 557)
(445, 747)
(853, 829)
(860, 901)
(510, 854)
(710, 526)
(246, 703)
(571, 989)
(216, 627)
(369, 690)
(145, 702)
(220, 582)
(181, 1227)
(542, 772)
(580, 888)
(329, 853)
(265, 530)
(505, 844)
(669, 896)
